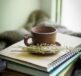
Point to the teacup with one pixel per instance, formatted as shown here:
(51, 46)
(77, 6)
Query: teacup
(41, 34)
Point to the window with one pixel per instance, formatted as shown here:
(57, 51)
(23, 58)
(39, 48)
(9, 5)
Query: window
(71, 14)
(56, 6)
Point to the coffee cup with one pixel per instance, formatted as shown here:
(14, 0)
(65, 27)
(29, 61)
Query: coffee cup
(41, 34)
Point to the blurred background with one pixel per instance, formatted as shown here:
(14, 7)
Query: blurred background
(14, 13)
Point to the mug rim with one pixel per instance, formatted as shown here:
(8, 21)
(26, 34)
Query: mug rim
(51, 32)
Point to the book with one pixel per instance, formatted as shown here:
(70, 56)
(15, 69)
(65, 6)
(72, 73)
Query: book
(67, 71)
(43, 63)
(37, 72)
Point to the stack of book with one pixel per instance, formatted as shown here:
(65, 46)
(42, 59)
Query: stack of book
(60, 64)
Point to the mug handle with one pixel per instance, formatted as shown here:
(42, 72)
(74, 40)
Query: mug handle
(26, 38)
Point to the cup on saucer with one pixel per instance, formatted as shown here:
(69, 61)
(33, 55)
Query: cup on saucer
(41, 34)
